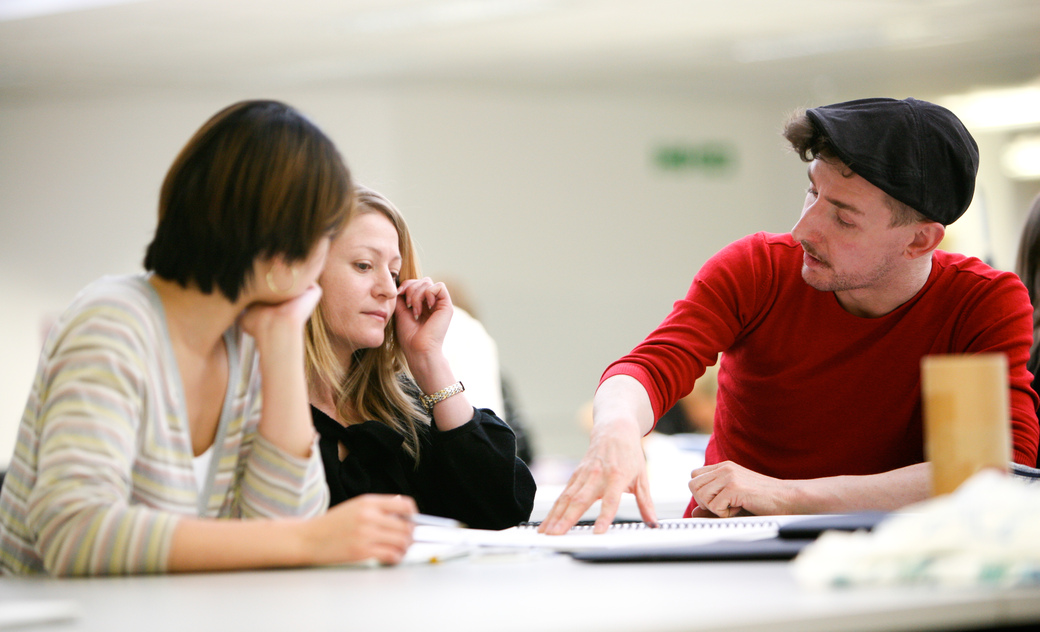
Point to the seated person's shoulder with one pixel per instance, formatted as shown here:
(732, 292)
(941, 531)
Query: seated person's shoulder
(111, 307)
(965, 271)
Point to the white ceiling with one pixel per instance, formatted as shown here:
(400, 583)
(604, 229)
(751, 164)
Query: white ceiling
(739, 48)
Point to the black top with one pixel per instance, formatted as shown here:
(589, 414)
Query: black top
(470, 473)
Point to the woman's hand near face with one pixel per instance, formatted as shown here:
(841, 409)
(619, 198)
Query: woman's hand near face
(264, 320)
(285, 419)
(421, 318)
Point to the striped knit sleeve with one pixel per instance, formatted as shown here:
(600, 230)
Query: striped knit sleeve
(79, 510)
(276, 484)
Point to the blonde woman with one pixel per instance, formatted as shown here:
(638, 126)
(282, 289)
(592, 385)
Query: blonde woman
(149, 435)
(392, 416)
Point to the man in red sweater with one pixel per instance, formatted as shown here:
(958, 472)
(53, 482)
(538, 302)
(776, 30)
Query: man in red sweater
(821, 332)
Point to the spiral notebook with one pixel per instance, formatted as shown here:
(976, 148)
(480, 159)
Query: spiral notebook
(741, 522)
(624, 535)
(793, 534)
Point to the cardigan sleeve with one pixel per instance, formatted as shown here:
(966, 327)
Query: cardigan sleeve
(88, 408)
(276, 484)
(269, 482)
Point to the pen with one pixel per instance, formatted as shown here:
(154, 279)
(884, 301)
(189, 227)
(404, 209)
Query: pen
(435, 521)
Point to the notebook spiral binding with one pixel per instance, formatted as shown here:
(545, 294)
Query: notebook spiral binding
(707, 523)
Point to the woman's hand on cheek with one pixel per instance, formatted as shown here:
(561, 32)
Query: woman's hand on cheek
(262, 319)
(422, 315)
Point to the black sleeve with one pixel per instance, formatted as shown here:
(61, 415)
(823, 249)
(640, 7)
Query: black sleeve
(472, 473)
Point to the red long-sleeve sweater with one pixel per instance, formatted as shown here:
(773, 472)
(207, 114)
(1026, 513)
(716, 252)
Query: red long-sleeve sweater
(808, 390)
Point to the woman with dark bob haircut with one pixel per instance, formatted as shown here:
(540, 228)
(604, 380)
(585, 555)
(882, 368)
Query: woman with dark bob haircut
(148, 424)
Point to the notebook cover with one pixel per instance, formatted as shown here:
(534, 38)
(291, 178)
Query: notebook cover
(791, 538)
(812, 527)
(723, 550)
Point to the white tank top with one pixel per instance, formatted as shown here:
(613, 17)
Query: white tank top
(201, 464)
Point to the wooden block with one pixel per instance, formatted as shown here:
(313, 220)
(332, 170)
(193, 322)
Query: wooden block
(966, 425)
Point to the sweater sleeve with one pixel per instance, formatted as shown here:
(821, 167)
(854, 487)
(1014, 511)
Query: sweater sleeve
(269, 482)
(1001, 322)
(275, 484)
(471, 473)
(722, 300)
(88, 411)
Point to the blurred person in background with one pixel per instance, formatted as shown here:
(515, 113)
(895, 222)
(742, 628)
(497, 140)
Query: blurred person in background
(473, 354)
(1027, 265)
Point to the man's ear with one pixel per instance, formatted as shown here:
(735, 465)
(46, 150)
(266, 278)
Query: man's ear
(927, 237)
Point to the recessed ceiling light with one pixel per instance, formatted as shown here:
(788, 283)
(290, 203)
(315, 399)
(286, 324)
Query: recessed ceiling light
(995, 109)
(1021, 158)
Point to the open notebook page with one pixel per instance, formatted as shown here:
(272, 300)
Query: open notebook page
(677, 531)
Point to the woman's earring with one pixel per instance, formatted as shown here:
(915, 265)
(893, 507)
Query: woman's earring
(275, 288)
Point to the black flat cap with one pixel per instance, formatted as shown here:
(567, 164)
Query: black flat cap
(917, 152)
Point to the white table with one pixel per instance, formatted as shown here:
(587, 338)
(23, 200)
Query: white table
(525, 592)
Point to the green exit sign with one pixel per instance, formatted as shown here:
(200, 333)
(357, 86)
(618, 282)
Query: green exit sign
(712, 158)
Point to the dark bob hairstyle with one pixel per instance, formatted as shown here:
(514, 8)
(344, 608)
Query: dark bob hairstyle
(258, 180)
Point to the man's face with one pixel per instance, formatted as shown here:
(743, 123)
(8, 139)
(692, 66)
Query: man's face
(846, 234)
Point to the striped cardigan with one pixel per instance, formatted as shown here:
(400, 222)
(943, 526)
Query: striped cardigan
(102, 468)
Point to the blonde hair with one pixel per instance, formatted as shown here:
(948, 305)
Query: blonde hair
(374, 386)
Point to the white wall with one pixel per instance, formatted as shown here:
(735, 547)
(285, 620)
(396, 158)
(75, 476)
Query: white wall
(547, 206)
(574, 245)
(1000, 206)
